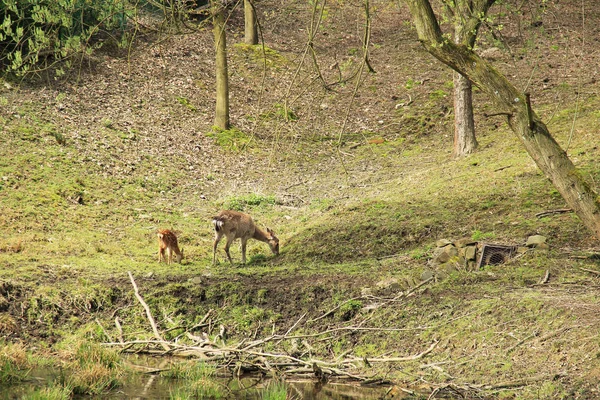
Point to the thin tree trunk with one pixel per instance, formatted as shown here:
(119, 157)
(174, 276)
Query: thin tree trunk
(465, 141)
(222, 78)
(529, 129)
(250, 25)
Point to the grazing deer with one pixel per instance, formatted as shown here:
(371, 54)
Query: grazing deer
(167, 242)
(236, 225)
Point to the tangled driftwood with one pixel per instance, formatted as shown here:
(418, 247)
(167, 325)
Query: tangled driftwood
(249, 355)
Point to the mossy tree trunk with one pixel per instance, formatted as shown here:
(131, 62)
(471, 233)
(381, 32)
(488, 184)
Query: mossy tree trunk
(527, 126)
(222, 77)
(250, 25)
(465, 141)
(467, 15)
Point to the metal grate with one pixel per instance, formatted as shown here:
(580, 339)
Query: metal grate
(493, 254)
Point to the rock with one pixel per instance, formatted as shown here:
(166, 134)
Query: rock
(389, 284)
(471, 252)
(443, 243)
(444, 254)
(522, 249)
(535, 240)
(464, 242)
(492, 53)
(427, 274)
(196, 280)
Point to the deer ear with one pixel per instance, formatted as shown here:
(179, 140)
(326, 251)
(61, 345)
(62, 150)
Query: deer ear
(270, 230)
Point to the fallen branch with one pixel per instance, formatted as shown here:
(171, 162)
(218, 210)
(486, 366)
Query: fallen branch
(400, 359)
(520, 342)
(119, 329)
(546, 278)
(590, 271)
(525, 381)
(552, 212)
(148, 313)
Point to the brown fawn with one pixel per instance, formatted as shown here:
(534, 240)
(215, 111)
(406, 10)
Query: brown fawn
(167, 243)
(236, 225)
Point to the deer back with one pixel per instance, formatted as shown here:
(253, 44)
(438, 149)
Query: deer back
(168, 240)
(234, 223)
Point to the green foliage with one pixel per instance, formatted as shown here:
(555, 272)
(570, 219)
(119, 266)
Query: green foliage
(438, 94)
(281, 112)
(230, 139)
(275, 390)
(349, 309)
(186, 102)
(260, 54)
(241, 203)
(92, 353)
(191, 370)
(50, 393)
(94, 370)
(479, 236)
(36, 31)
(199, 381)
(14, 365)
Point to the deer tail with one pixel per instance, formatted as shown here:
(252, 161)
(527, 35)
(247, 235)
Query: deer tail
(218, 223)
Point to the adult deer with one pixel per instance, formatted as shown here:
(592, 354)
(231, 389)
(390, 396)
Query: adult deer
(236, 225)
(167, 243)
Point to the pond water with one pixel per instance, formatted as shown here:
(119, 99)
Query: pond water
(154, 386)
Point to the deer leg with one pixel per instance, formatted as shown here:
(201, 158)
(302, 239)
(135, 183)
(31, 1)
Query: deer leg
(227, 245)
(218, 238)
(169, 256)
(244, 242)
(160, 254)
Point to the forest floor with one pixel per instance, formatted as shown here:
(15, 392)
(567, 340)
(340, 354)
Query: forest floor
(352, 169)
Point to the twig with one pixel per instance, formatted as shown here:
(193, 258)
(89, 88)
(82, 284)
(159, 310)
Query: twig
(402, 359)
(552, 212)
(148, 313)
(103, 330)
(546, 278)
(525, 381)
(520, 342)
(334, 309)
(590, 271)
(119, 329)
(554, 333)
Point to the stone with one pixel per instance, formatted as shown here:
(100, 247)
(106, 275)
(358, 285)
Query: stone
(471, 252)
(464, 242)
(427, 274)
(443, 243)
(492, 53)
(389, 284)
(522, 249)
(196, 280)
(445, 254)
(535, 240)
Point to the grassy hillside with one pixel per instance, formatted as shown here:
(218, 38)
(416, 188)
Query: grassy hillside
(359, 186)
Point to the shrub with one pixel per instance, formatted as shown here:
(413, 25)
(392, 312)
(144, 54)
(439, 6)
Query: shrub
(37, 31)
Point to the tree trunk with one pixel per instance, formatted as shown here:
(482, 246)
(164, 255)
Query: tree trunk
(529, 129)
(467, 20)
(222, 78)
(465, 141)
(250, 25)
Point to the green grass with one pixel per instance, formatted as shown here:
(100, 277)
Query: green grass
(80, 207)
(14, 363)
(275, 390)
(198, 381)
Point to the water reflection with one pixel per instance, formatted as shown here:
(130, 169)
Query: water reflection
(149, 384)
